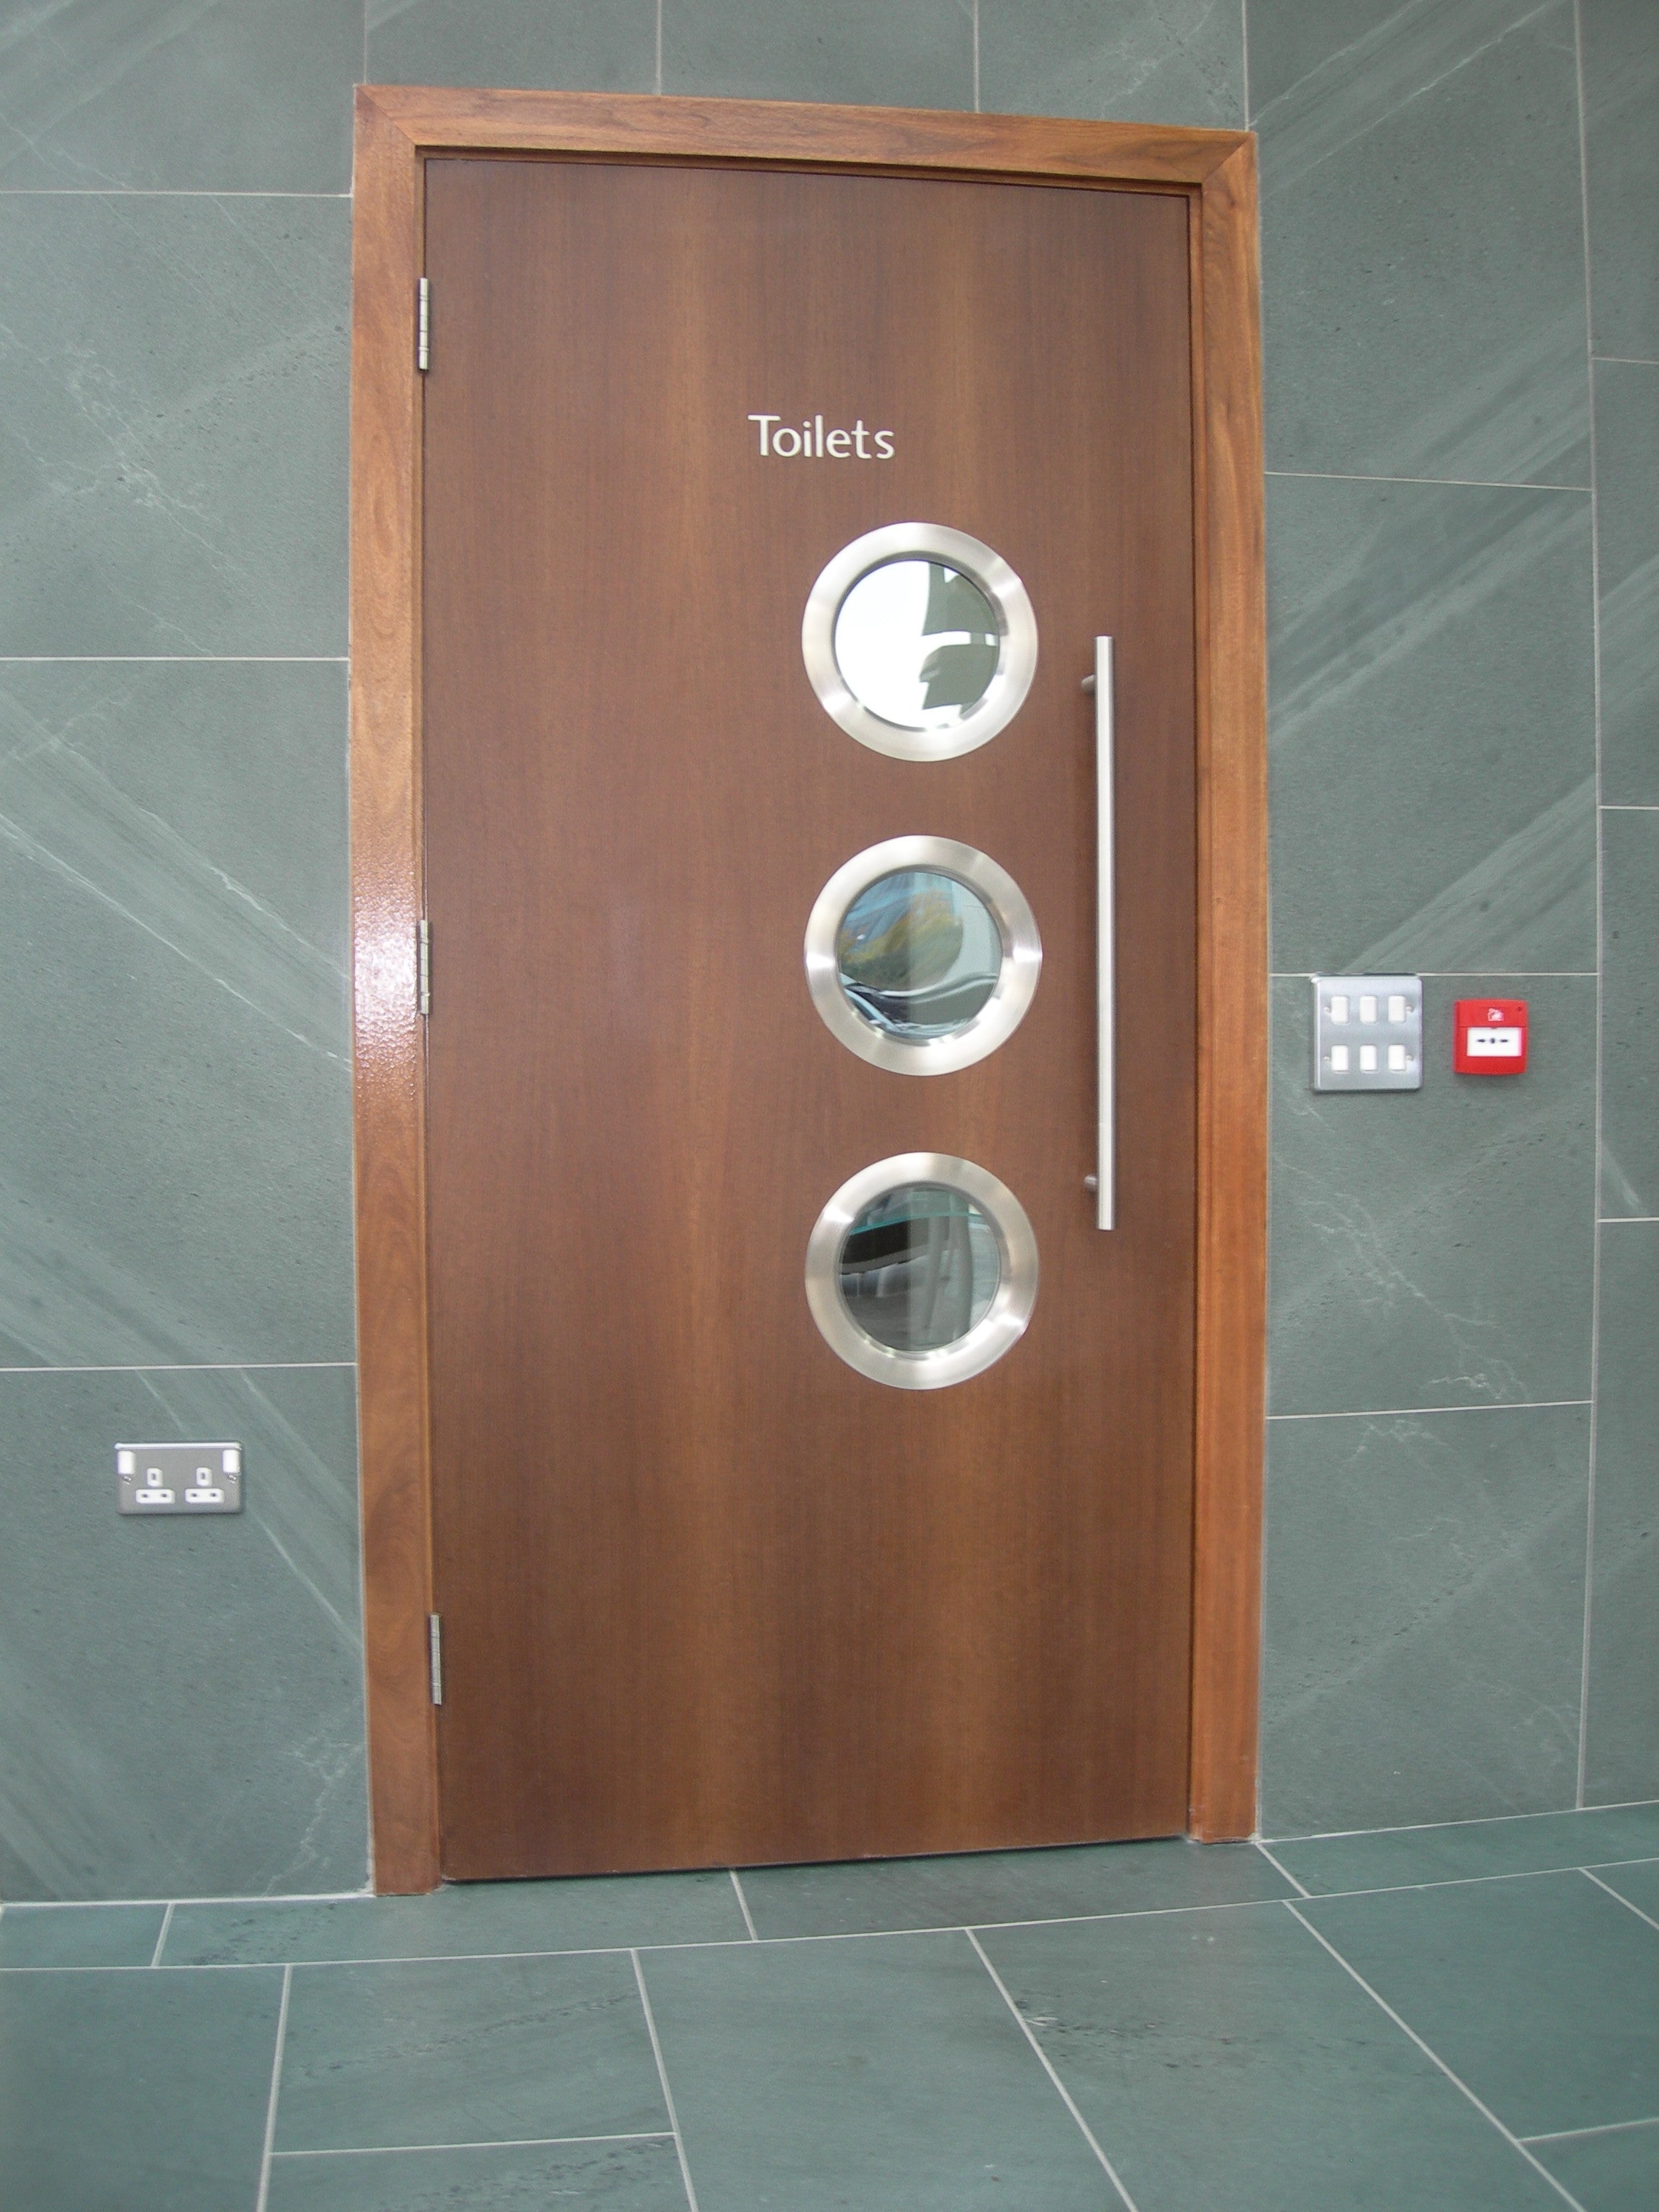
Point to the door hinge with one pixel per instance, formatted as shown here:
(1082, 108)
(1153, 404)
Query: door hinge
(435, 1652)
(423, 326)
(423, 965)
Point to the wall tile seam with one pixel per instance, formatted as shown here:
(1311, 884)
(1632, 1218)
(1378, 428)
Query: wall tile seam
(204, 1367)
(174, 659)
(154, 192)
(1626, 359)
(1445, 483)
(1628, 1220)
(1412, 1412)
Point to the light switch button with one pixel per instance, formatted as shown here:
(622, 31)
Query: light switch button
(1390, 1011)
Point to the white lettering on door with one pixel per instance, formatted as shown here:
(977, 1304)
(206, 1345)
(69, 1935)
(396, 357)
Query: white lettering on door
(813, 442)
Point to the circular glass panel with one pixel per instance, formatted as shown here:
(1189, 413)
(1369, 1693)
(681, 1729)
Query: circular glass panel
(921, 1271)
(918, 953)
(922, 955)
(919, 1267)
(917, 643)
(920, 641)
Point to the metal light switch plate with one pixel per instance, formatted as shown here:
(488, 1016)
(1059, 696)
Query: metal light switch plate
(1368, 1033)
(179, 1478)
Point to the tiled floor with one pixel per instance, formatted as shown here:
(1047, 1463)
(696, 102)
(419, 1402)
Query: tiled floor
(1460, 2018)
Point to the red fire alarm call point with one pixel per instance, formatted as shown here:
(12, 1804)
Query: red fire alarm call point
(1489, 1036)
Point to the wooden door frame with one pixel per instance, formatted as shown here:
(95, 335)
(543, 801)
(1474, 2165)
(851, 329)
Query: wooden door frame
(398, 128)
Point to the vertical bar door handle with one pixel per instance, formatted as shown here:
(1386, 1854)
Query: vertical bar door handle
(1105, 946)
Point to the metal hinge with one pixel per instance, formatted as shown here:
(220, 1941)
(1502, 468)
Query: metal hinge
(435, 1652)
(423, 965)
(423, 327)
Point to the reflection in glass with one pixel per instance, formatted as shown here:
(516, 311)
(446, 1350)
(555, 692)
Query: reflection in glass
(917, 643)
(919, 1267)
(919, 953)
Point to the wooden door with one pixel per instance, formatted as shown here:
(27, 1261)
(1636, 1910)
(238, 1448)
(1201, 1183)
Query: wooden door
(708, 1594)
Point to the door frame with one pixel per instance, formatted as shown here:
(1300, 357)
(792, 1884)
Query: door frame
(399, 128)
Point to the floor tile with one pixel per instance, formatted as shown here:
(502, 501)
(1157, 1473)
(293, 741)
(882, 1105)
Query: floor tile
(618, 2177)
(216, 1745)
(864, 51)
(1422, 240)
(1627, 540)
(1400, 613)
(1621, 1758)
(1141, 61)
(1423, 1644)
(981, 1887)
(1464, 1851)
(569, 45)
(861, 2076)
(1637, 1884)
(172, 474)
(134, 2093)
(1614, 2172)
(1403, 1272)
(1630, 1033)
(1621, 86)
(458, 2050)
(232, 95)
(471, 1919)
(1225, 2059)
(176, 851)
(1539, 1993)
(79, 1935)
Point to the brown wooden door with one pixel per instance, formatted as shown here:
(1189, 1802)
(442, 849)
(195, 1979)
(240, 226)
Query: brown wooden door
(709, 1595)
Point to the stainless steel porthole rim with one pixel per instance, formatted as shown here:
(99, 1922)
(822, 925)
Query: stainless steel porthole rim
(1016, 977)
(999, 1328)
(1016, 664)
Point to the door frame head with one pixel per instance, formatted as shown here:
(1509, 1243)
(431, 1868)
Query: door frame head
(398, 128)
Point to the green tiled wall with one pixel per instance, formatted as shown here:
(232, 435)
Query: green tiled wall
(1463, 444)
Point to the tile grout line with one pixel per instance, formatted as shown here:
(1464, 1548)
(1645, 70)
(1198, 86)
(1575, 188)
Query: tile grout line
(1628, 1220)
(263, 2198)
(1046, 2063)
(662, 2070)
(1244, 56)
(174, 659)
(200, 1367)
(1582, 1768)
(1433, 2056)
(1473, 1820)
(973, 14)
(1627, 806)
(658, 47)
(1455, 483)
(1608, 2127)
(1391, 1413)
(1280, 1869)
(161, 1935)
(1454, 974)
(502, 2143)
(152, 192)
(748, 1916)
(1626, 359)
(1622, 1899)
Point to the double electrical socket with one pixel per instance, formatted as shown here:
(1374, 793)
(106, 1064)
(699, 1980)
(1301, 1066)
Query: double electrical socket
(1368, 1033)
(179, 1478)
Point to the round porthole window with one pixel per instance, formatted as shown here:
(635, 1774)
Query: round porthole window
(921, 1271)
(922, 955)
(920, 641)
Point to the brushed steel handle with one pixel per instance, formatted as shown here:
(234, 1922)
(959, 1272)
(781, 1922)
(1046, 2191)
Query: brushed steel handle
(1105, 1178)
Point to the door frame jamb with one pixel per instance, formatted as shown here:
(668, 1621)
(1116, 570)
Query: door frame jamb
(398, 128)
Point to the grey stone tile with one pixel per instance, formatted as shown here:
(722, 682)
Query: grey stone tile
(1637, 1885)
(1467, 1850)
(1435, 1247)
(460, 2051)
(1424, 1633)
(180, 1700)
(620, 2176)
(1422, 240)
(883, 53)
(135, 2093)
(980, 1887)
(1537, 1993)
(172, 465)
(1223, 2058)
(1433, 727)
(1630, 1024)
(858, 2076)
(566, 45)
(473, 1919)
(209, 95)
(1621, 92)
(79, 1935)
(1627, 522)
(1614, 2173)
(1621, 1759)
(175, 1175)
(1140, 61)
